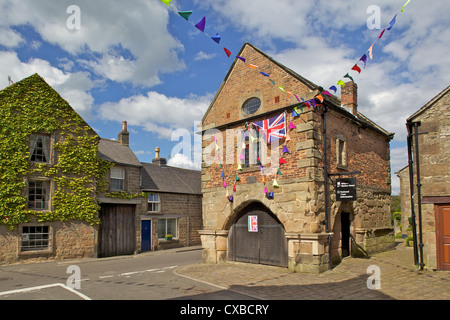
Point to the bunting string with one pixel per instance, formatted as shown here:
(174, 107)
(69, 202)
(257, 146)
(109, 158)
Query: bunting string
(355, 70)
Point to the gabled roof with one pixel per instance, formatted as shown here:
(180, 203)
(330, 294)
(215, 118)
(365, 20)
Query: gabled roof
(113, 151)
(169, 179)
(429, 104)
(308, 83)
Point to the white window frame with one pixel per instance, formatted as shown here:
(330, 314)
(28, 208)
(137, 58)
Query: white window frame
(175, 236)
(154, 205)
(117, 174)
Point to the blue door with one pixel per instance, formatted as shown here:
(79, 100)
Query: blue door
(146, 232)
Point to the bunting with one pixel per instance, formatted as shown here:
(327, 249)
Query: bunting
(201, 25)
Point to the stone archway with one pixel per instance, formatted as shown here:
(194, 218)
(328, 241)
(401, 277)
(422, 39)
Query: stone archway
(257, 236)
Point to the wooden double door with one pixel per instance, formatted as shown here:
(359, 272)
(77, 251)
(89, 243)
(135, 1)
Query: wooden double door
(117, 230)
(258, 237)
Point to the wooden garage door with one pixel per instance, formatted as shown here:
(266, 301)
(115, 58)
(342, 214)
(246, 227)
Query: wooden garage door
(443, 236)
(258, 237)
(117, 231)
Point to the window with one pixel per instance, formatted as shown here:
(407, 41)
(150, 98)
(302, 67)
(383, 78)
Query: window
(38, 195)
(39, 148)
(35, 238)
(167, 226)
(117, 179)
(341, 152)
(153, 202)
(251, 151)
(251, 105)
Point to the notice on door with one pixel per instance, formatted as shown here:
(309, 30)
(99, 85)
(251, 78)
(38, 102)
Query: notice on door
(253, 223)
(346, 189)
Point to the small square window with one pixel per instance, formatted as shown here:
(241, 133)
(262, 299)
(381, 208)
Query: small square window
(38, 195)
(117, 179)
(153, 202)
(39, 148)
(35, 238)
(167, 226)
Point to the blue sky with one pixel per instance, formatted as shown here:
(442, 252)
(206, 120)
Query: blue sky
(139, 61)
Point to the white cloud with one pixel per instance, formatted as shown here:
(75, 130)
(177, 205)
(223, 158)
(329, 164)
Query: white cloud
(204, 56)
(125, 41)
(157, 113)
(182, 161)
(73, 87)
(10, 38)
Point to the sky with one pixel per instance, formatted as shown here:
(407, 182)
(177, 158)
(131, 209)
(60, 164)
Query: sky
(139, 61)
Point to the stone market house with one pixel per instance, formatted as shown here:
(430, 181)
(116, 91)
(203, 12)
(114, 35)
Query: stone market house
(173, 206)
(429, 138)
(302, 225)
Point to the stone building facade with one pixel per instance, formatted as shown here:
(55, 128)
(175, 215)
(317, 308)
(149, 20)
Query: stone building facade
(300, 224)
(174, 206)
(429, 131)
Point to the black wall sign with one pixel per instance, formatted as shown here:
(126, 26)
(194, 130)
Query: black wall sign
(346, 189)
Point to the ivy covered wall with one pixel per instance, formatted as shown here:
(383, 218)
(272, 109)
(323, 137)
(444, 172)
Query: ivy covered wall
(31, 106)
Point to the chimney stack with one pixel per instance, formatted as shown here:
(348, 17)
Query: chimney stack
(124, 135)
(349, 97)
(157, 160)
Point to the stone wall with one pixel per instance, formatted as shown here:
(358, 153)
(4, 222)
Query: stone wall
(68, 240)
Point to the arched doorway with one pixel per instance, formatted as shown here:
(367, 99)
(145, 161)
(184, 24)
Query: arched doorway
(257, 236)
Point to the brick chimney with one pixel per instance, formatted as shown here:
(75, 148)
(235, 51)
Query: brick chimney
(124, 135)
(157, 160)
(349, 97)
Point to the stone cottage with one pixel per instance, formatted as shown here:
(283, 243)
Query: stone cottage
(173, 206)
(283, 210)
(429, 148)
(67, 193)
(50, 175)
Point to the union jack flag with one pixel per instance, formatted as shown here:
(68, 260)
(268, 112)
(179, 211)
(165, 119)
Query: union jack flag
(273, 128)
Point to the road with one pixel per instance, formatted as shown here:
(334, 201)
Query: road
(149, 276)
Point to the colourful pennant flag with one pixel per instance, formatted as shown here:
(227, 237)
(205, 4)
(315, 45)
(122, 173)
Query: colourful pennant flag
(333, 88)
(185, 14)
(281, 88)
(241, 58)
(265, 190)
(237, 178)
(275, 183)
(230, 198)
(292, 126)
(282, 160)
(340, 83)
(264, 74)
(279, 172)
(270, 195)
(403, 8)
(201, 25)
(392, 23)
(356, 68)
(327, 93)
(348, 76)
(320, 98)
(216, 38)
(294, 114)
(167, 2)
(370, 51)
(364, 58)
(239, 167)
(234, 187)
(224, 183)
(273, 82)
(381, 34)
(228, 52)
(253, 66)
(285, 149)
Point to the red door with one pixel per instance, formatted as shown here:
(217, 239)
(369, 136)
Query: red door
(443, 236)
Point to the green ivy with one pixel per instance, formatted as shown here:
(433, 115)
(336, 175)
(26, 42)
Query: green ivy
(31, 106)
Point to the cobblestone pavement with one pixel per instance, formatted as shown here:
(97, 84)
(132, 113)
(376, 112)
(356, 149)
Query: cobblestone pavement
(399, 279)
